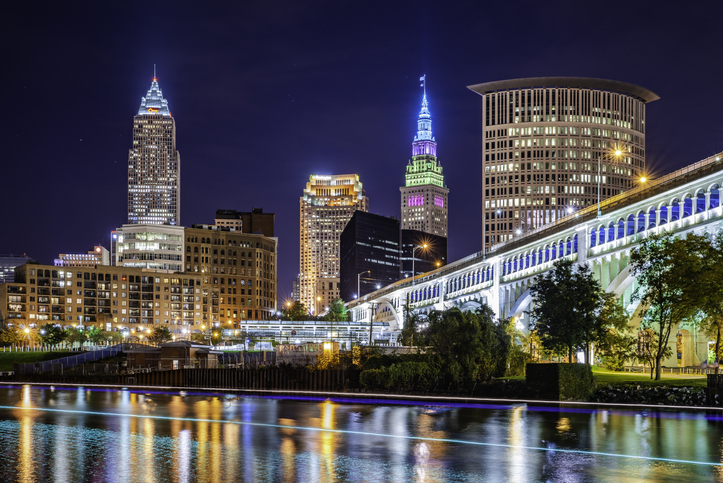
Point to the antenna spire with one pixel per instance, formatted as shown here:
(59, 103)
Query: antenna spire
(154, 72)
(423, 84)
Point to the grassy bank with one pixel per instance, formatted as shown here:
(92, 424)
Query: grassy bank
(642, 379)
(7, 359)
(605, 378)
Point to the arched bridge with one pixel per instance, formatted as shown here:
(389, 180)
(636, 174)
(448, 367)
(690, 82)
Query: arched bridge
(687, 200)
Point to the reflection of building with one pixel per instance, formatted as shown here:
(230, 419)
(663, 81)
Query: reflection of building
(154, 164)
(254, 221)
(542, 138)
(8, 264)
(425, 259)
(369, 246)
(424, 195)
(156, 247)
(97, 256)
(326, 206)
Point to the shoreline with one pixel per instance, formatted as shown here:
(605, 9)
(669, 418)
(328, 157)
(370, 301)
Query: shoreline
(374, 398)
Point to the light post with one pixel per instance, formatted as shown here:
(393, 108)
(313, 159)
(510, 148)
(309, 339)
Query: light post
(358, 282)
(414, 250)
(615, 155)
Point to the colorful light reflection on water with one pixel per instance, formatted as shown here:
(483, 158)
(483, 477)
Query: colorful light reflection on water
(81, 434)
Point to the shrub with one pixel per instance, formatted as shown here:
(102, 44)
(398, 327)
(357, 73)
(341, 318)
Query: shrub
(560, 382)
(375, 378)
(410, 375)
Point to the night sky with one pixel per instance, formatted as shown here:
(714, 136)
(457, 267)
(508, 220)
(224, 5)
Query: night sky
(267, 93)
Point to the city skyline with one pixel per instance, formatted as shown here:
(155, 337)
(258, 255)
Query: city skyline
(254, 121)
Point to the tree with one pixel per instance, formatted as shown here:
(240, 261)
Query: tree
(410, 331)
(296, 311)
(95, 335)
(616, 342)
(9, 336)
(337, 312)
(113, 337)
(160, 334)
(660, 267)
(75, 335)
(463, 347)
(51, 335)
(567, 304)
(704, 267)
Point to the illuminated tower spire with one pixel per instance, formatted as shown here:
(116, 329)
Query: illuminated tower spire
(424, 141)
(424, 196)
(154, 164)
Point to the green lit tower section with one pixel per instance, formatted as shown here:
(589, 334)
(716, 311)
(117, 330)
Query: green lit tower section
(424, 195)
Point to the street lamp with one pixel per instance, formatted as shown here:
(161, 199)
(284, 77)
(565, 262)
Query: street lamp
(414, 250)
(614, 156)
(358, 282)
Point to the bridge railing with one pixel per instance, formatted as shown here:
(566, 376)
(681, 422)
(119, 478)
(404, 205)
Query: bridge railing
(584, 214)
(612, 201)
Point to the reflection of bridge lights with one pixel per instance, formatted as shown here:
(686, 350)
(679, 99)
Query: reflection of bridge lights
(327, 419)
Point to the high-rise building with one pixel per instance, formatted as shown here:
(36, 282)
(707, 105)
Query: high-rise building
(421, 252)
(424, 195)
(369, 250)
(154, 164)
(99, 255)
(8, 264)
(325, 208)
(544, 141)
(254, 221)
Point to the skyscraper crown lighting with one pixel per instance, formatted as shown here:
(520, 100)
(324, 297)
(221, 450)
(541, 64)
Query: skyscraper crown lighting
(154, 103)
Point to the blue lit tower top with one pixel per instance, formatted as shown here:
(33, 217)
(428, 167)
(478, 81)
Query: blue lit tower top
(424, 195)
(154, 103)
(424, 142)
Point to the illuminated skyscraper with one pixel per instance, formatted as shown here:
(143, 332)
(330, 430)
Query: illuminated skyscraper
(325, 208)
(546, 141)
(424, 196)
(154, 165)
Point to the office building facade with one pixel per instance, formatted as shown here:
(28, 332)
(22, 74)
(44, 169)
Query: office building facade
(239, 273)
(424, 195)
(542, 139)
(99, 255)
(254, 221)
(153, 247)
(154, 164)
(369, 250)
(327, 204)
(8, 264)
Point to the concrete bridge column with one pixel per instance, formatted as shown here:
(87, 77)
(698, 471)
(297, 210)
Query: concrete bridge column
(605, 271)
(583, 243)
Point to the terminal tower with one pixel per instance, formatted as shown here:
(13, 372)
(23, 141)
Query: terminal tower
(424, 195)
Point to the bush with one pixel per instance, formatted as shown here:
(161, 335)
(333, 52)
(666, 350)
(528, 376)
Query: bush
(410, 375)
(375, 378)
(560, 382)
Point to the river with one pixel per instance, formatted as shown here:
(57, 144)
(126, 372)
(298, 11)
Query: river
(76, 434)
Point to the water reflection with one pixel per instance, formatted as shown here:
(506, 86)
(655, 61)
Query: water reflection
(90, 435)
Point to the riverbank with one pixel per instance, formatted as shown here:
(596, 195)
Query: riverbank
(372, 397)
